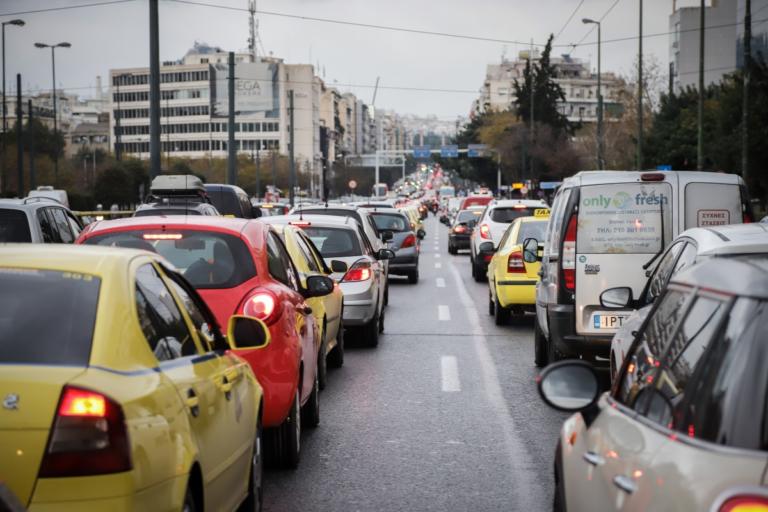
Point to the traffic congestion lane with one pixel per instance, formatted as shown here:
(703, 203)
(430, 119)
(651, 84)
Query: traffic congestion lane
(443, 414)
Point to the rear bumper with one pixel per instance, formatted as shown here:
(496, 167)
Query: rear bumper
(459, 241)
(517, 292)
(562, 332)
(404, 263)
(359, 308)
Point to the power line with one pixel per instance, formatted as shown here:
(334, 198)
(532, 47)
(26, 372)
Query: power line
(570, 18)
(593, 27)
(66, 8)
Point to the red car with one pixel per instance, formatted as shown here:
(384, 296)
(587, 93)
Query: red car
(475, 201)
(240, 266)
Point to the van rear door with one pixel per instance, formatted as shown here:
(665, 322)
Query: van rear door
(619, 230)
(711, 204)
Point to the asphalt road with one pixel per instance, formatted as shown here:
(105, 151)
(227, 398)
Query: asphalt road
(442, 415)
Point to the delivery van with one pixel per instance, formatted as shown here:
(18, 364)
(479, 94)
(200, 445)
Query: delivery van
(607, 229)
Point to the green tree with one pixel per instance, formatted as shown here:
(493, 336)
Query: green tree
(113, 186)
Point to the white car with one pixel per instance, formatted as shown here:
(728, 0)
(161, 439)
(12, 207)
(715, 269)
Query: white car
(692, 246)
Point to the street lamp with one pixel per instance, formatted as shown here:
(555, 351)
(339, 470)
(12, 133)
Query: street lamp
(18, 23)
(55, 112)
(600, 157)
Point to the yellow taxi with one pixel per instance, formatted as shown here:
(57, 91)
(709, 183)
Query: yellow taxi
(411, 210)
(514, 270)
(326, 309)
(116, 388)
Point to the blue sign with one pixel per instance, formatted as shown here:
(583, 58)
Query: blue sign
(450, 151)
(476, 150)
(549, 185)
(663, 167)
(422, 152)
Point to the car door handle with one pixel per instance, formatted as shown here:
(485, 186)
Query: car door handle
(193, 402)
(593, 458)
(625, 483)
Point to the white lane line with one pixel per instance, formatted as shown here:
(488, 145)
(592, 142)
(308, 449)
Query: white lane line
(525, 490)
(440, 282)
(449, 370)
(443, 313)
(437, 255)
(438, 265)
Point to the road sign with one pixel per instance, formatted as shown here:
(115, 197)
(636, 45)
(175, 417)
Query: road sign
(517, 186)
(663, 167)
(352, 184)
(422, 152)
(477, 150)
(449, 151)
(549, 185)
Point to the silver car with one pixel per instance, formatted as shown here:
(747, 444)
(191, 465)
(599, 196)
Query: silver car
(37, 220)
(405, 242)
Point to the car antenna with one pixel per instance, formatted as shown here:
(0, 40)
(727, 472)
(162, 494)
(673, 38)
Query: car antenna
(661, 249)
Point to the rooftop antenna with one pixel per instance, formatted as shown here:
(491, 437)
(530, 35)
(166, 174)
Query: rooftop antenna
(253, 25)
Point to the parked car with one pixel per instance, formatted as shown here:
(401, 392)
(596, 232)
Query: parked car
(492, 225)
(39, 220)
(739, 241)
(241, 266)
(231, 201)
(606, 229)
(117, 387)
(513, 272)
(687, 405)
(405, 242)
(460, 231)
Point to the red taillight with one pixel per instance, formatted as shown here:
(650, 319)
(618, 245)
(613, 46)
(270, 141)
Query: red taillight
(89, 437)
(745, 503)
(515, 263)
(569, 254)
(262, 305)
(485, 231)
(300, 223)
(746, 218)
(409, 241)
(360, 271)
(652, 176)
(162, 236)
(460, 229)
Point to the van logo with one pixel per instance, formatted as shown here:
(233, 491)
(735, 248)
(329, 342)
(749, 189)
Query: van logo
(623, 201)
(11, 401)
(582, 259)
(591, 269)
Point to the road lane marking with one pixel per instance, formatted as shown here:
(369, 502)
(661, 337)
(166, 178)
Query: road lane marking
(438, 265)
(443, 313)
(437, 255)
(440, 282)
(526, 491)
(449, 370)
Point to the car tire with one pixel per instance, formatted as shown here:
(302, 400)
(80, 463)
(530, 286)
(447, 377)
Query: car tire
(369, 333)
(190, 504)
(336, 357)
(322, 365)
(502, 314)
(386, 294)
(477, 273)
(539, 346)
(413, 277)
(381, 321)
(310, 413)
(558, 499)
(491, 305)
(553, 355)
(290, 435)
(253, 502)
(452, 249)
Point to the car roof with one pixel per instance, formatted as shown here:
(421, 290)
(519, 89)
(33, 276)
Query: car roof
(506, 203)
(30, 203)
(349, 207)
(92, 259)
(599, 177)
(231, 224)
(742, 277)
(175, 205)
(327, 221)
(730, 239)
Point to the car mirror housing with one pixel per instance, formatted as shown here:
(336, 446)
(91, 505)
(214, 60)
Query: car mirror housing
(387, 235)
(247, 332)
(569, 386)
(385, 254)
(338, 266)
(255, 212)
(614, 298)
(421, 234)
(531, 250)
(318, 286)
(486, 248)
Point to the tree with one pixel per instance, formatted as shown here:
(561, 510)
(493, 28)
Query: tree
(113, 186)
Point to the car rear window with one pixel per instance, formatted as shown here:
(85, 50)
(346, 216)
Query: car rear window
(226, 202)
(14, 226)
(334, 212)
(507, 215)
(390, 222)
(468, 216)
(165, 211)
(47, 316)
(333, 242)
(206, 258)
(476, 201)
(624, 218)
(534, 229)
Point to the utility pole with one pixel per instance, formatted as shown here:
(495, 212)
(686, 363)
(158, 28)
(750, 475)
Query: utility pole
(118, 151)
(19, 138)
(258, 171)
(600, 158)
(231, 149)
(32, 180)
(640, 93)
(274, 167)
(533, 127)
(671, 86)
(745, 107)
(154, 91)
(292, 175)
(18, 23)
(700, 149)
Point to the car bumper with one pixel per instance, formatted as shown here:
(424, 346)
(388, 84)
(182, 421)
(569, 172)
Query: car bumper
(459, 241)
(359, 303)
(516, 292)
(562, 332)
(406, 260)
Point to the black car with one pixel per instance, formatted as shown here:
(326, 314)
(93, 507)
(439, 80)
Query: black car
(231, 201)
(461, 229)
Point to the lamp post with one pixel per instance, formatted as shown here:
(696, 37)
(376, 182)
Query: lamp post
(18, 23)
(55, 112)
(600, 156)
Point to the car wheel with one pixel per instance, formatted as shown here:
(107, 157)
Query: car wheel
(386, 295)
(322, 367)
(558, 500)
(553, 355)
(381, 322)
(502, 313)
(369, 333)
(491, 305)
(190, 505)
(477, 273)
(336, 357)
(310, 413)
(253, 501)
(291, 435)
(539, 346)
(451, 249)
(413, 277)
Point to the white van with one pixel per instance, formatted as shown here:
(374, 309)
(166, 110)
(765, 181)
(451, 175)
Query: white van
(48, 191)
(607, 229)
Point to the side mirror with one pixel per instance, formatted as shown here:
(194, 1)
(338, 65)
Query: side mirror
(420, 234)
(318, 286)
(486, 248)
(569, 385)
(338, 267)
(387, 236)
(620, 297)
(247, 332)
(385, 254)
(530, 250)
(255, 212)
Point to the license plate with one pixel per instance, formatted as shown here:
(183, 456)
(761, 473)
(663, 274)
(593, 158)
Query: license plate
(608, 321)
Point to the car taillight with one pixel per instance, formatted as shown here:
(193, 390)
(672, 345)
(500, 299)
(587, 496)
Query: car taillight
(485, 231)
(515, 263)
(746, 218)
(89, 437)
(409, 241)
(569, 254)
(460, 229)
(262, 305)
(745, 503)
(360, 271)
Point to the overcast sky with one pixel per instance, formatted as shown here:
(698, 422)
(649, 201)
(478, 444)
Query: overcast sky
(112, 36)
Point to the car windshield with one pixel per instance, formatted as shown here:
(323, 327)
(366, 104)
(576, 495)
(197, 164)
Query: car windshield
(47, 316)
(390, 222)
(206, 258)
(334, 242)
(14, 226)
(533, 229)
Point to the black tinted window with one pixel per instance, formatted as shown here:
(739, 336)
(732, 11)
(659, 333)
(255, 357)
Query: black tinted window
(663, 271)
(277, 266)
(14, 226)
(47, 317)
(46, 226)
(509, 214)
(333, 242)
(226, 201)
